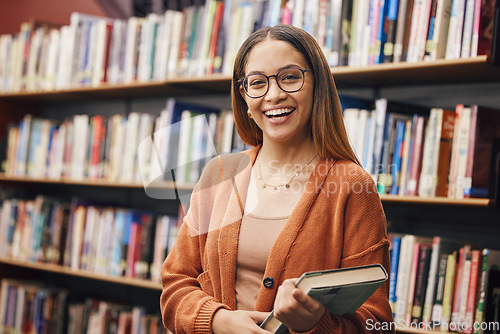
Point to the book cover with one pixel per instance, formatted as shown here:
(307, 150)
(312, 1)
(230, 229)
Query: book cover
(437, 306)
(424, 259)
(341, 290)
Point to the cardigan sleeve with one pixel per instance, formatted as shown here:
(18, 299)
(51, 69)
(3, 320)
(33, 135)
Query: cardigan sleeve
(365, 242)
(185, 306)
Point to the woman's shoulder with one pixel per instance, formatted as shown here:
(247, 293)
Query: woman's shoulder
(226, 166)
(351, 176)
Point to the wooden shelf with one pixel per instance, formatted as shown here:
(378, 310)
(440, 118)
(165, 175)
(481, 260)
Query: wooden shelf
(481, 202)
(478, 202)
(141, 283)
(476, 69)
(414, 331)
(93, 183)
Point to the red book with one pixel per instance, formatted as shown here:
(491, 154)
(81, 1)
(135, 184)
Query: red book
(212, 51)
(445, 145)
(473, 290)
(109, 29)
(97, 142)
(484, 128)
(458, 285)
(416, 157)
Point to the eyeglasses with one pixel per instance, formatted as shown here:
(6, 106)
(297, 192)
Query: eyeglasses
(289, 80)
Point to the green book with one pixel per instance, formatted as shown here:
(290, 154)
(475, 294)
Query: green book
(342, 290)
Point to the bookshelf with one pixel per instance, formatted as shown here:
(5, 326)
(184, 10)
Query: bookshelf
(442, 71)
(405, 214)
(63, 270)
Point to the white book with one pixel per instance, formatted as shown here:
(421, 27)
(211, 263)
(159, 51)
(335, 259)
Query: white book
(115, 51)
(160, 246)
(97, 74)
(351, 121)
(65, 56)
(5, 212)
(33, 59)
(130, 148)
(437, 47)
(76, 244)
(362, 32)
(22, 153)
(146, 124)
(183, 151)
(164, 44)
(56, 167)
(130, 49)
(146, 47)
(232, 29)
(41, 154)
(475, 28)
(87, 260)
(227, 132)
(423, 27)
(467, 27)
(52, 59)
(404, 267)
(430, 155)
(94, 35)
(80, 147)
(361, 145)
(20, 305)
(197, 152)
(205, 35)
(418, 7)
(173, 58)
(463, 144)
(371, 143)
(298, 13)
(453, 44)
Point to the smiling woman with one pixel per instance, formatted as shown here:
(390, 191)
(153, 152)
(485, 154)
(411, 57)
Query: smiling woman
(297, 202)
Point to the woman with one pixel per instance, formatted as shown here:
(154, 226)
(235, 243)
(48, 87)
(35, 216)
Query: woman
(298, 201)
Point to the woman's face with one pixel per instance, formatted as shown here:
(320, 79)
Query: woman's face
(283, 117)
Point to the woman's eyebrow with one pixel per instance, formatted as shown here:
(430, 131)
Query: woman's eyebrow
(279, 69)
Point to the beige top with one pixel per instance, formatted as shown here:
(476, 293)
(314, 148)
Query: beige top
(260, 226)
(257, 236)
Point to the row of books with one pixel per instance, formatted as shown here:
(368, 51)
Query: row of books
(412, 150)
(368, 32)
(202, 40)
(443, 284)
(30, 307)
(99, 239)
(127, 149)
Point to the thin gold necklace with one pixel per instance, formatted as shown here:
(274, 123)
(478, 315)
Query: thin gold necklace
(286, 185)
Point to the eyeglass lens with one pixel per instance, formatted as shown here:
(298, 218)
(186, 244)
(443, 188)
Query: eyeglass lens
(289, 80)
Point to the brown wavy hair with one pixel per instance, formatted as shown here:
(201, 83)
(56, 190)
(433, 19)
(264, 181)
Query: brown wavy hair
(327, 124)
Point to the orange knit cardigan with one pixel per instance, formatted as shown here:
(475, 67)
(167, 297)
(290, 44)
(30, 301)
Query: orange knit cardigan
(338, 222)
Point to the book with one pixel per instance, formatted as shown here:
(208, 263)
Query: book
(484, 128)
(490, 261)
(341, 290)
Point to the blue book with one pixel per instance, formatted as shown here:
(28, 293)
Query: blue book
(393, 278)
(382, 33)
(397, 157)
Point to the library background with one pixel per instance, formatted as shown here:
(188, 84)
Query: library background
(90, 201)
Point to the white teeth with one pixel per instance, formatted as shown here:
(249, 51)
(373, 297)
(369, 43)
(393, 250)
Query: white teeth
(276, 112)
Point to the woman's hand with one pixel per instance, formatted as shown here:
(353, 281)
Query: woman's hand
(295, 309)
(238, 322)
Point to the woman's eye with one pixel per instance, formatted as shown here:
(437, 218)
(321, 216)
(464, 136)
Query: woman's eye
(257, 83)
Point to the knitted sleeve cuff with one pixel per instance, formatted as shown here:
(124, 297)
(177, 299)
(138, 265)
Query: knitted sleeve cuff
(203, 323)
(327, 324)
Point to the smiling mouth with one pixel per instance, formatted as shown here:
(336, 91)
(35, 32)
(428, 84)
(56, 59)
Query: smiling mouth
(276, 113)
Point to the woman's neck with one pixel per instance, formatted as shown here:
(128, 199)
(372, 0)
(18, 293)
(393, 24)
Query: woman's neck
(287, 154)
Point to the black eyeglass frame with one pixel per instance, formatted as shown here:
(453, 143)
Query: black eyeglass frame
(277, 81)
